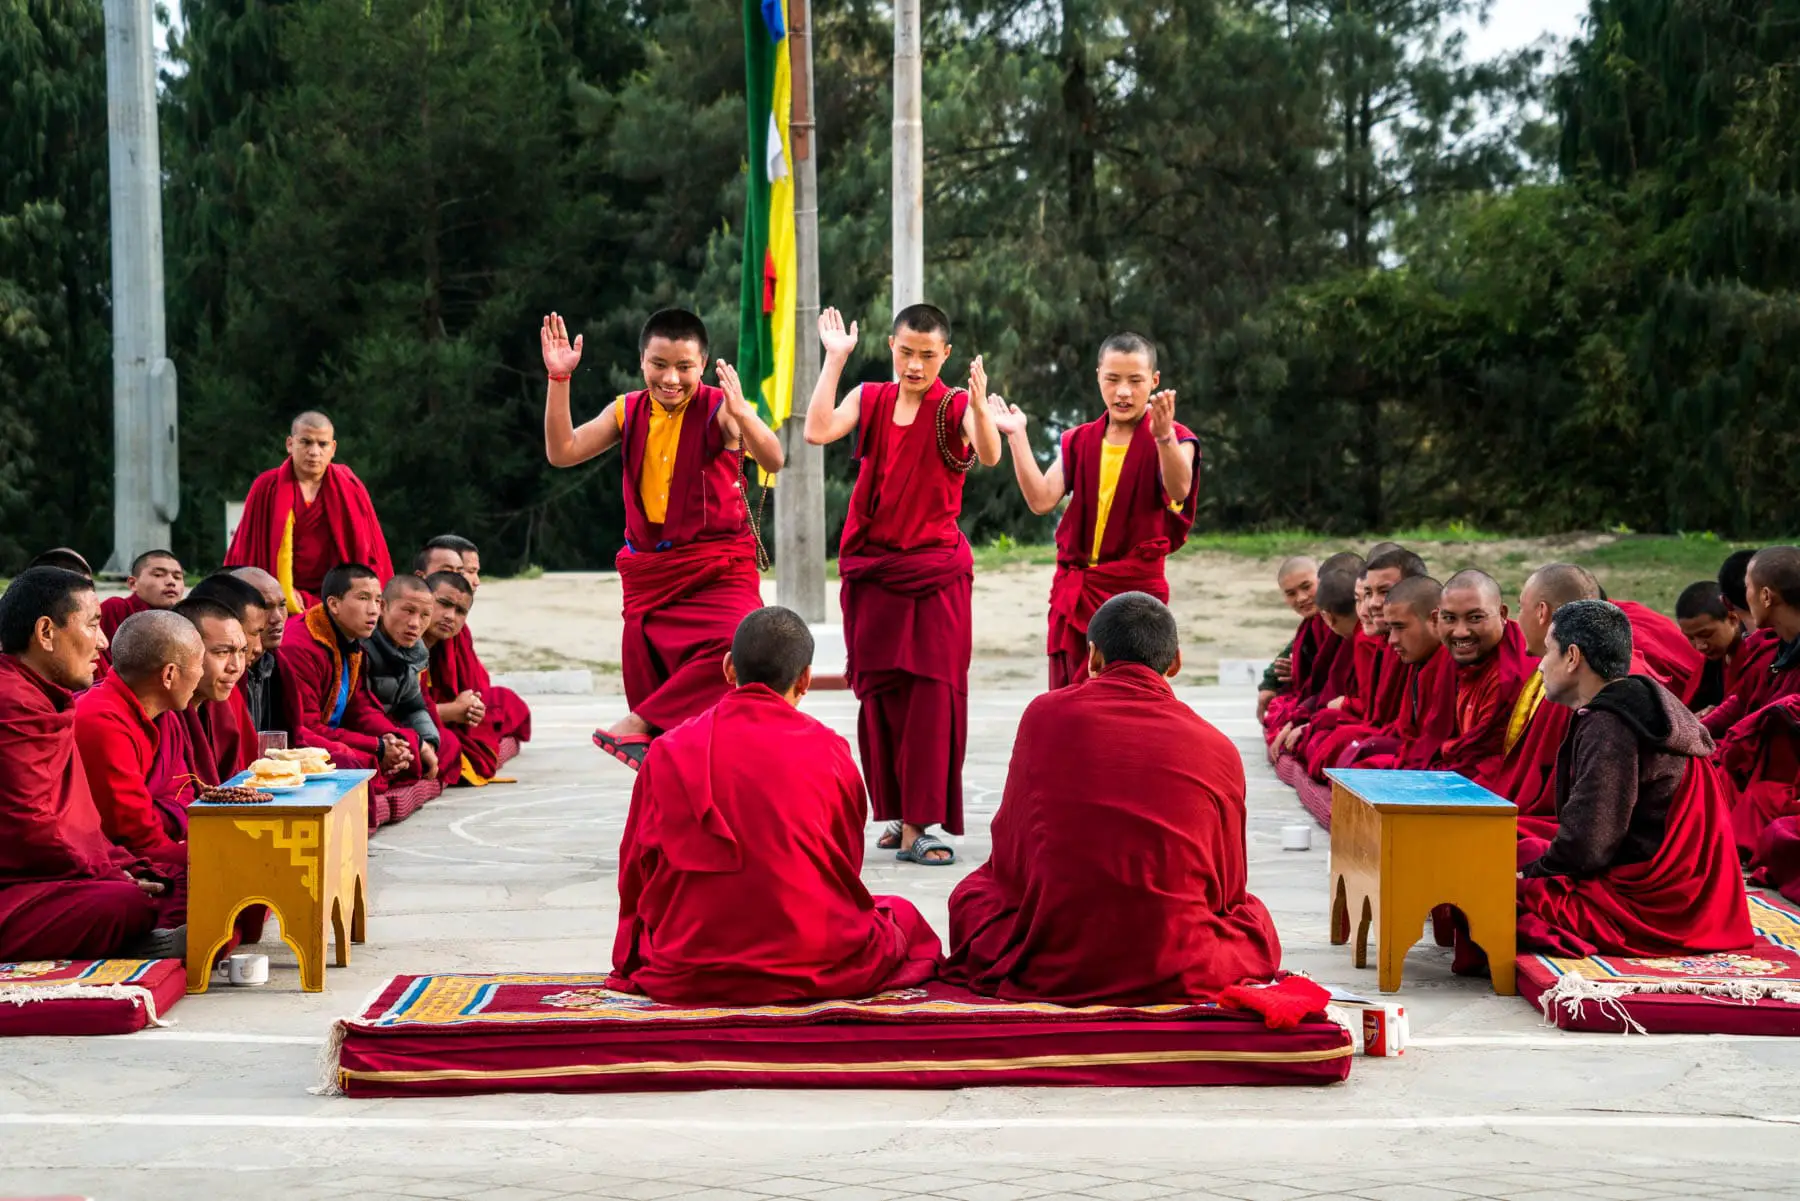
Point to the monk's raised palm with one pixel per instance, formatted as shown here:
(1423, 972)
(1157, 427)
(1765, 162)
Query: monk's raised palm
(1162, 414)
(735, 404)
(561, 356)
(1008, 419)
(833, 336)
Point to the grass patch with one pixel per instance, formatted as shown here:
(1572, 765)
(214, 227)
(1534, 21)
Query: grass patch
(1654, 570)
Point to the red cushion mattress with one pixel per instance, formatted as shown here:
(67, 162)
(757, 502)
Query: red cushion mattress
(1747, 992)
(88, 996)
(448, 1034)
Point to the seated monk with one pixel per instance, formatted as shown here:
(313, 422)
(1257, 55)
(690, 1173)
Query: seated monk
(740, 870)
(234, 641)
(1491, 669)
(1298, 579)
(262, 684)
(1118, 870)
(1319, 668)
(1642, 862)
(308, 515)
(67, 891)
(324, 656)
(1380, 681)
(156, 667)
(397, 656)
(156, 582)
(505, 710)
(457, 685)
(1733, 652)
(1758, 750)
(1335, 601)
(1427, 716)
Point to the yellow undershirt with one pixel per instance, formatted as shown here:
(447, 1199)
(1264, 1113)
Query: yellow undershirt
(1112, 461)
(1530, 697)
(661, 441)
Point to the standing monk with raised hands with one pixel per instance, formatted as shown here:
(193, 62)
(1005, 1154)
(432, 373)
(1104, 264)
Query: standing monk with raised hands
(689, 564)
(908, 575)
(1130, 476)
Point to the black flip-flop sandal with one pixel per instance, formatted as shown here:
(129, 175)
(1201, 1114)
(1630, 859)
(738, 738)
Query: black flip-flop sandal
(890, 837)
(629, 749)
(922, 846)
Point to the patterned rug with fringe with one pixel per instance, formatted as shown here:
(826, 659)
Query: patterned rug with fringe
(1745, 992)
(88, 996)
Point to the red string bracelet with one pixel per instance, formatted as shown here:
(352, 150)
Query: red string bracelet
(559, 379)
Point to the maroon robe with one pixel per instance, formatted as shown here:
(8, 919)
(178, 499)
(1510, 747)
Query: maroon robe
(65, 892)
(454, 669)
(740, 870)
(338, 527)
(314, 663)
(1381, 689)
(1674, 663)
(117, 741)
(1427, 720)
(1485, 695)
(1303, 652)
(1141, 532)
(113, 612)
(1761, 755)
(1748, 681)
(908, 585)
(1118, 871)
(689, 579)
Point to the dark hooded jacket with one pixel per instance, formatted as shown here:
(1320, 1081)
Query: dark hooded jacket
(393, 676)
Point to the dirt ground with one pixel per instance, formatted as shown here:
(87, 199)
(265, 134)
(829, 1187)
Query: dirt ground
(1227, 606)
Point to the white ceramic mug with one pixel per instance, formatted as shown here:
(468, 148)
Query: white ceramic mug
(247, 969)
(1296, 838)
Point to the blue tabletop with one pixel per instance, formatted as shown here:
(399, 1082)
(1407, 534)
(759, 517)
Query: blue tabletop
(320, 792)
(1435, 789)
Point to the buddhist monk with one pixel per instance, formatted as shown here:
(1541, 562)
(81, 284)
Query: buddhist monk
(1381, 678)
(210, 739)
(1734, 584)
(231, 624)
(262, 684)
(1131, 477)
(1759, 681)
(1643, 861)
(689, 567)
(1298, 579)
(457, 687)
(906, 569)
(324, 659)
(65, 558)
(508, 717)
(1334, 676)
(307, 516)
(1759, 750)
(1492, 666)
(1118, 870)
(67, 891)
(156, 667)
(397, 656)
(156, 582)
(1734, 654)
(740, 870)
(1427, 716)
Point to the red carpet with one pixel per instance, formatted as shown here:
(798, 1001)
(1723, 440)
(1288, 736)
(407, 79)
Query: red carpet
(1315, 797)
(88, 996)
(408, 799)
(1750, 992)
(450, 1034)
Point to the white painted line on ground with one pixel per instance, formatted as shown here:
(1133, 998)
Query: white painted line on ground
(221, 1036)
(1196, 1122)
(1570, 1040)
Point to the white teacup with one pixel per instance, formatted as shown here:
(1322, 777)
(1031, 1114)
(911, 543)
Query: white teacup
(1296, 838)
(247, 969)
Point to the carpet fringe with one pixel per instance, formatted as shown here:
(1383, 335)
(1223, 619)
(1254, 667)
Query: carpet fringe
(90, 992)
(331, 1053)
(1572, 992)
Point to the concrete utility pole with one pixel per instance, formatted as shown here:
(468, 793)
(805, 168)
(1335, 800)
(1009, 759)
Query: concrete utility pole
(909, 158)
(800, 499)
(146, 476)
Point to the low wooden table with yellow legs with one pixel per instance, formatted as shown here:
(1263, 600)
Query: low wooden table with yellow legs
(305, 855)
(1405, 842)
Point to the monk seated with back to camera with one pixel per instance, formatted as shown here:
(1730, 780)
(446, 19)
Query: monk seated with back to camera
(1643, 862)
(1118, 870)
(740, 870)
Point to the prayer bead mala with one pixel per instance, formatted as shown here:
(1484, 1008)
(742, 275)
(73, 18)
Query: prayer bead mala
(943, 437)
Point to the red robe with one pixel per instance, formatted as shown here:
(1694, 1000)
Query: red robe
(1381, 689)
(113, 612)
(298, 543)
(1303, 653)
(319, 670)
(64, 892)
(455, 668)
(1427, 720)
(690, 578)
(1118, 870)
(1674, 663)
(1749, 684)
(1485, 695)
(1686, 899)
(739, 873)
(908, 588)
(1141, 532)
(1761, 756)
(117, 741)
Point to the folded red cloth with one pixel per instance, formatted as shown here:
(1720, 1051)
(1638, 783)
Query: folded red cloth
(1283, 1004)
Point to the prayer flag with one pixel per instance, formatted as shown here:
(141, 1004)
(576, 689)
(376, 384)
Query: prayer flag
(766, 307)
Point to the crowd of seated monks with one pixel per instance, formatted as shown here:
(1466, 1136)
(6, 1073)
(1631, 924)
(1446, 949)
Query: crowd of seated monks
(116, 715)
(1652, 759)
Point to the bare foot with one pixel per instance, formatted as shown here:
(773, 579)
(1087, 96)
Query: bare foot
(632, 724)
(910, 833)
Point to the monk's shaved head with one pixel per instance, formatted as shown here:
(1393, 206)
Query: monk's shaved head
(1408, 615)
(1419, 593)
(404, 585)
(1382, 548)
(1344, 560)
(1559, 584)
(1470, 579)
(1297, 565)
(1398, 559)
(1733, 579)
(1135, 627)
(1337, 593)
(63, 557)
(263, 582)
(312, 419)
(149, 641)
(772, 647)
(1777, 569)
